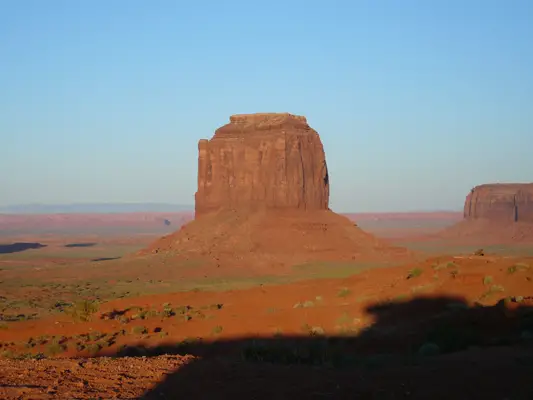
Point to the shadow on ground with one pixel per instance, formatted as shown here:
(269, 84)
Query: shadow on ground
(18, 247)
(104, 259)
(81, 244)
(427, 348)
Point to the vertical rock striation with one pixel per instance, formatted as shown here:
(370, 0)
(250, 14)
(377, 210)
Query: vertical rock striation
(262, 161)
(509, 202)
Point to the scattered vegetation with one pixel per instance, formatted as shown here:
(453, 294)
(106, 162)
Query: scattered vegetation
(139, 330)
(487, 280)
(305, 304)
(56, 348)
(517, 267)
(429, 349)
(344, 292)
(479, 252)
(445, 265)
(492, 290)
(414, 273)
(83, 310)
(217, 330)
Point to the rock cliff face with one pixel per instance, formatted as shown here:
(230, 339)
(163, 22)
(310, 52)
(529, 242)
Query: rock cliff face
(262, 204)
(500, 203)
(262, 161)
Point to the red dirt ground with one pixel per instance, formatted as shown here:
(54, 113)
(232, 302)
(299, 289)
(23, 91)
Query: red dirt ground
(475, 231)
(330, 307)
(196, 351)
(272, 239)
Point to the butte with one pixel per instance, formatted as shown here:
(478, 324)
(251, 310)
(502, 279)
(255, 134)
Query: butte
(263, 202)
(496, 213)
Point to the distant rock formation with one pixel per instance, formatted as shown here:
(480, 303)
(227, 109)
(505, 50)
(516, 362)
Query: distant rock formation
(500, 202)
(264, 160)
(262, 202)
(496, 213)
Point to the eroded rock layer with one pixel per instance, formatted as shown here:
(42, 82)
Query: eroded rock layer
(264, 160)
(500, 203)
(262, 203)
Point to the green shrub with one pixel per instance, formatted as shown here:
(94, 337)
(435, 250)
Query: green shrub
(56, 348)
(344, 292)
(217, 330)
(83, 310)
(429, 349)
(139, 330)
(487, 280)
(414, 273)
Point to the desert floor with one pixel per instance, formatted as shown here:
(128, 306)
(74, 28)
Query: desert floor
(81, 318)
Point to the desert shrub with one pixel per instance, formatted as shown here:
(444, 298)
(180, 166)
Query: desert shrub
(139, 330)
(168, 312)
(182, 310)
(493, 289)
(487, 280)
(217, 330)
(94, 348)
(429, 349)
(316, 331)
(450, 338)
(343, 292)
(83, 310)
(94, 336)
(318, 352)
(56, 348)
(7, 354)
(512, 269)
(414, 273)
(479, 252)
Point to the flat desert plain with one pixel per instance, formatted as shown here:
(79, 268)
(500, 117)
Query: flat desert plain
(82, 315)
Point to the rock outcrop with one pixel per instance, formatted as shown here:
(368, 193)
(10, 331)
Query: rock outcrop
(497, 213)
(262, 202)
(265, 160)
(509, 202)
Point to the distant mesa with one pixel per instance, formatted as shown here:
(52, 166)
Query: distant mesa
(261, 161)
(501, 202)
(499, 212)
(263, 200)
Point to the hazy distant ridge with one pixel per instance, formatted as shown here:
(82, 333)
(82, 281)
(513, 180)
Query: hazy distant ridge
(96, 208)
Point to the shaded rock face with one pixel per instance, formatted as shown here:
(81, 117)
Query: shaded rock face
(262, 161)
(500, 203)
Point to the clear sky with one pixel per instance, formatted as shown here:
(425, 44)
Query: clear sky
(416, 101)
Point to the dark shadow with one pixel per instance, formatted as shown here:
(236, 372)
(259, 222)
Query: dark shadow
(427, 348)
(19, 246)
(104, 259)
(114, 314)
(81, 244)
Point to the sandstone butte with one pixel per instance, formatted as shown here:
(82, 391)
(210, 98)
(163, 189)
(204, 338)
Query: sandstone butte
(497, 212)
(263, 201)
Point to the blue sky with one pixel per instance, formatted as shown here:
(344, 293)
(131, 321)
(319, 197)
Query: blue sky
(416, 101)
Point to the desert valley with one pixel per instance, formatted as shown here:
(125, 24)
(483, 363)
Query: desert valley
(263, 292)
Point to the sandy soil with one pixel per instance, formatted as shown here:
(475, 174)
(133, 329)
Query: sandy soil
(446, 327)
